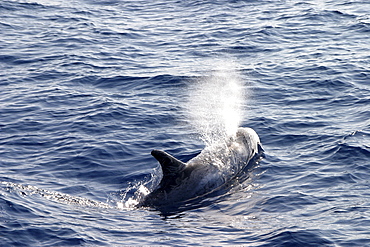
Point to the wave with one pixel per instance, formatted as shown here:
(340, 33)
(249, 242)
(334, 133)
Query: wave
(295, 237)
(28, 190)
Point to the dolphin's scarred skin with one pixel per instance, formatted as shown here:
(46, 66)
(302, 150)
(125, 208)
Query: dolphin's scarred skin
(212, 168)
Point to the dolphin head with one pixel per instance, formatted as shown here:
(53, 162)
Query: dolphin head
(245, 141)
(247, 137)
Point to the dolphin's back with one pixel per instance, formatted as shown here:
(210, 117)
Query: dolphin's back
(211, 169)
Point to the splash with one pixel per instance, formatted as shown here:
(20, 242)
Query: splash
(215, 104)
(133, 194)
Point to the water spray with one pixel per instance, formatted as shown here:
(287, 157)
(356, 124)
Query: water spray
(215, 104)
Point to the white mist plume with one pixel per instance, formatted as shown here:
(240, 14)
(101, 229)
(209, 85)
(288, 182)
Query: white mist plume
(215, 103)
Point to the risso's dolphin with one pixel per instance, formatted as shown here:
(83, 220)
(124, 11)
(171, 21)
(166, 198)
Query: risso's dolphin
(214, 167)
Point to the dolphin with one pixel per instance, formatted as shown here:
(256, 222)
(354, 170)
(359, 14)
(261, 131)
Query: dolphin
(214, 167)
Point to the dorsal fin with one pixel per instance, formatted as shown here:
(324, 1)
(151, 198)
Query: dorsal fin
(170, 165)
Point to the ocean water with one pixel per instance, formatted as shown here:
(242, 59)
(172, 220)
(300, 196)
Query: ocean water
(88, 88)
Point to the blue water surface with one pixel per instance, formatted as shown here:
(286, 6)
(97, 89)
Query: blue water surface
(88, 88)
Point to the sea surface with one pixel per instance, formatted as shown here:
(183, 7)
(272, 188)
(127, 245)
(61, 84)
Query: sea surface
(88, 88)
